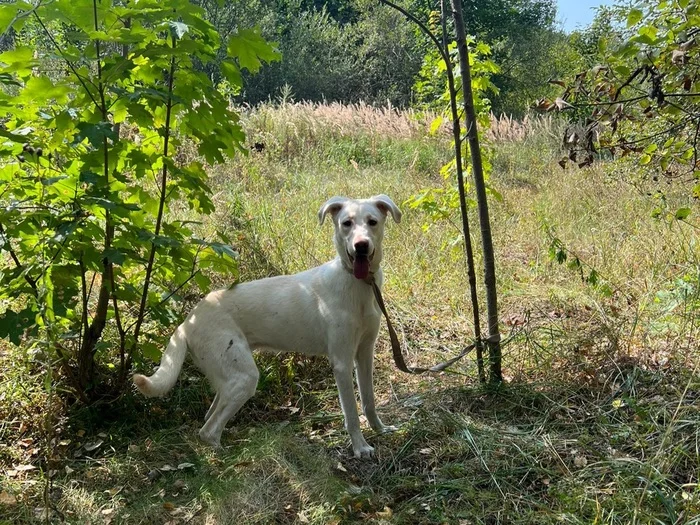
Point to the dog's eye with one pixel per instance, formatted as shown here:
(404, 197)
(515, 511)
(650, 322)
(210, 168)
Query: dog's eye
(372, 222)
(347, 223)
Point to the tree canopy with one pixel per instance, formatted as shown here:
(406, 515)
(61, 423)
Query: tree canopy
(361, 50)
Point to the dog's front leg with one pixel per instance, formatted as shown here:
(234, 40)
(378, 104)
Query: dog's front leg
(364, 366)
(343, 379)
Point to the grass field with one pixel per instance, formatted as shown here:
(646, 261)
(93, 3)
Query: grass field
(598, 422)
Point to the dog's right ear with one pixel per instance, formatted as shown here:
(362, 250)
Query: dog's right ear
(332, 206)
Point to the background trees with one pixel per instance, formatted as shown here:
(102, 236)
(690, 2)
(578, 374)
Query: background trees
(361, 50)
(639, 95)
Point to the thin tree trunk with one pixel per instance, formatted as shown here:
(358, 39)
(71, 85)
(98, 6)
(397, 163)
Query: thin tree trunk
(457, 137)
(494, 338)
(457, 134)
(86, 358)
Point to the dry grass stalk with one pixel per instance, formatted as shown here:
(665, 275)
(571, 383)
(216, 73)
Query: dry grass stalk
(339, 119)
(505, 128)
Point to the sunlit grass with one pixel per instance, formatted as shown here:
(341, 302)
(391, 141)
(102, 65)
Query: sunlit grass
(598, 423)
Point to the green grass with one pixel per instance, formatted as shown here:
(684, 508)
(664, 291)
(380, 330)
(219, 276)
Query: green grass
(598, 421)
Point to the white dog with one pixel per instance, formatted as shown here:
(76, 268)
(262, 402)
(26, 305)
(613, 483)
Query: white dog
(328, 310)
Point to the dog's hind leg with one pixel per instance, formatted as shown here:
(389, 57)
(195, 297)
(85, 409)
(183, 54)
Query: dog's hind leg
(212, 407)
(234, 375)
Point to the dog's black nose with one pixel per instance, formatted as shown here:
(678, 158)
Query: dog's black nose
(362, 248)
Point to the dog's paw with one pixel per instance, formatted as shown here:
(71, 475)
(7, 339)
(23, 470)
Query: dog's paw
(381, 428)
(363, 451)
(210, 440)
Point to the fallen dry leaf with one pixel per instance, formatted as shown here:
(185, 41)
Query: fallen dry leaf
(7, 499)
(580, 461)
(113, 491)
(179, 484)
(89, 447)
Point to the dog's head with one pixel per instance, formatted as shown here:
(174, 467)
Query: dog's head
(359, 230)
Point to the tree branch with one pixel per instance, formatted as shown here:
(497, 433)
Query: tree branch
(17, 262)
(422, 26)
(68, 62)
(161, 204)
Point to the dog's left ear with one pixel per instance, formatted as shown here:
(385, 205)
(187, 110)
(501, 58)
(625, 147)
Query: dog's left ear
(386, 205)
(332, 206)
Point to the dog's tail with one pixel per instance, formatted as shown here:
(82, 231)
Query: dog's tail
(170, 364)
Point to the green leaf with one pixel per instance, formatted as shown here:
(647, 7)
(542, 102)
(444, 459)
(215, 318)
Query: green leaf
(20, 60)
(647, 34)
(95, 133)
(574, 264)
(696, 191)
(634, 16)
(435, 124)
(151, 351)
(231, 73)
(593, 278)
(682, 213)
(114, 256)
(14, 137)
(8, 14)
(13, 324)
(40, 89)
(494, 193)
(251, 49)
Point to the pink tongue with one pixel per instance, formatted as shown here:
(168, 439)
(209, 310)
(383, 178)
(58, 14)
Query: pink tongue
(360, 268)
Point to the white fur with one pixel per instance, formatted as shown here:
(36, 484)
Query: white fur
(322, 311)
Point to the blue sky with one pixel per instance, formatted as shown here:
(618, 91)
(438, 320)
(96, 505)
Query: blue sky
(573, 13)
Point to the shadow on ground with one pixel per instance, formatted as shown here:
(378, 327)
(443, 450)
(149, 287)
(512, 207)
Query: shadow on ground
(520, 453)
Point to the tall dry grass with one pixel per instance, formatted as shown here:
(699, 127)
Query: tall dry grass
(296, 129)
(504, 128)
(360, 150)
(337, 119)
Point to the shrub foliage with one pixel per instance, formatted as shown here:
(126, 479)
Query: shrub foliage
(92, 127)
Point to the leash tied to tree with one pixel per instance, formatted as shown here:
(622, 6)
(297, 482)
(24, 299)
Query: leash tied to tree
(396, 345)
